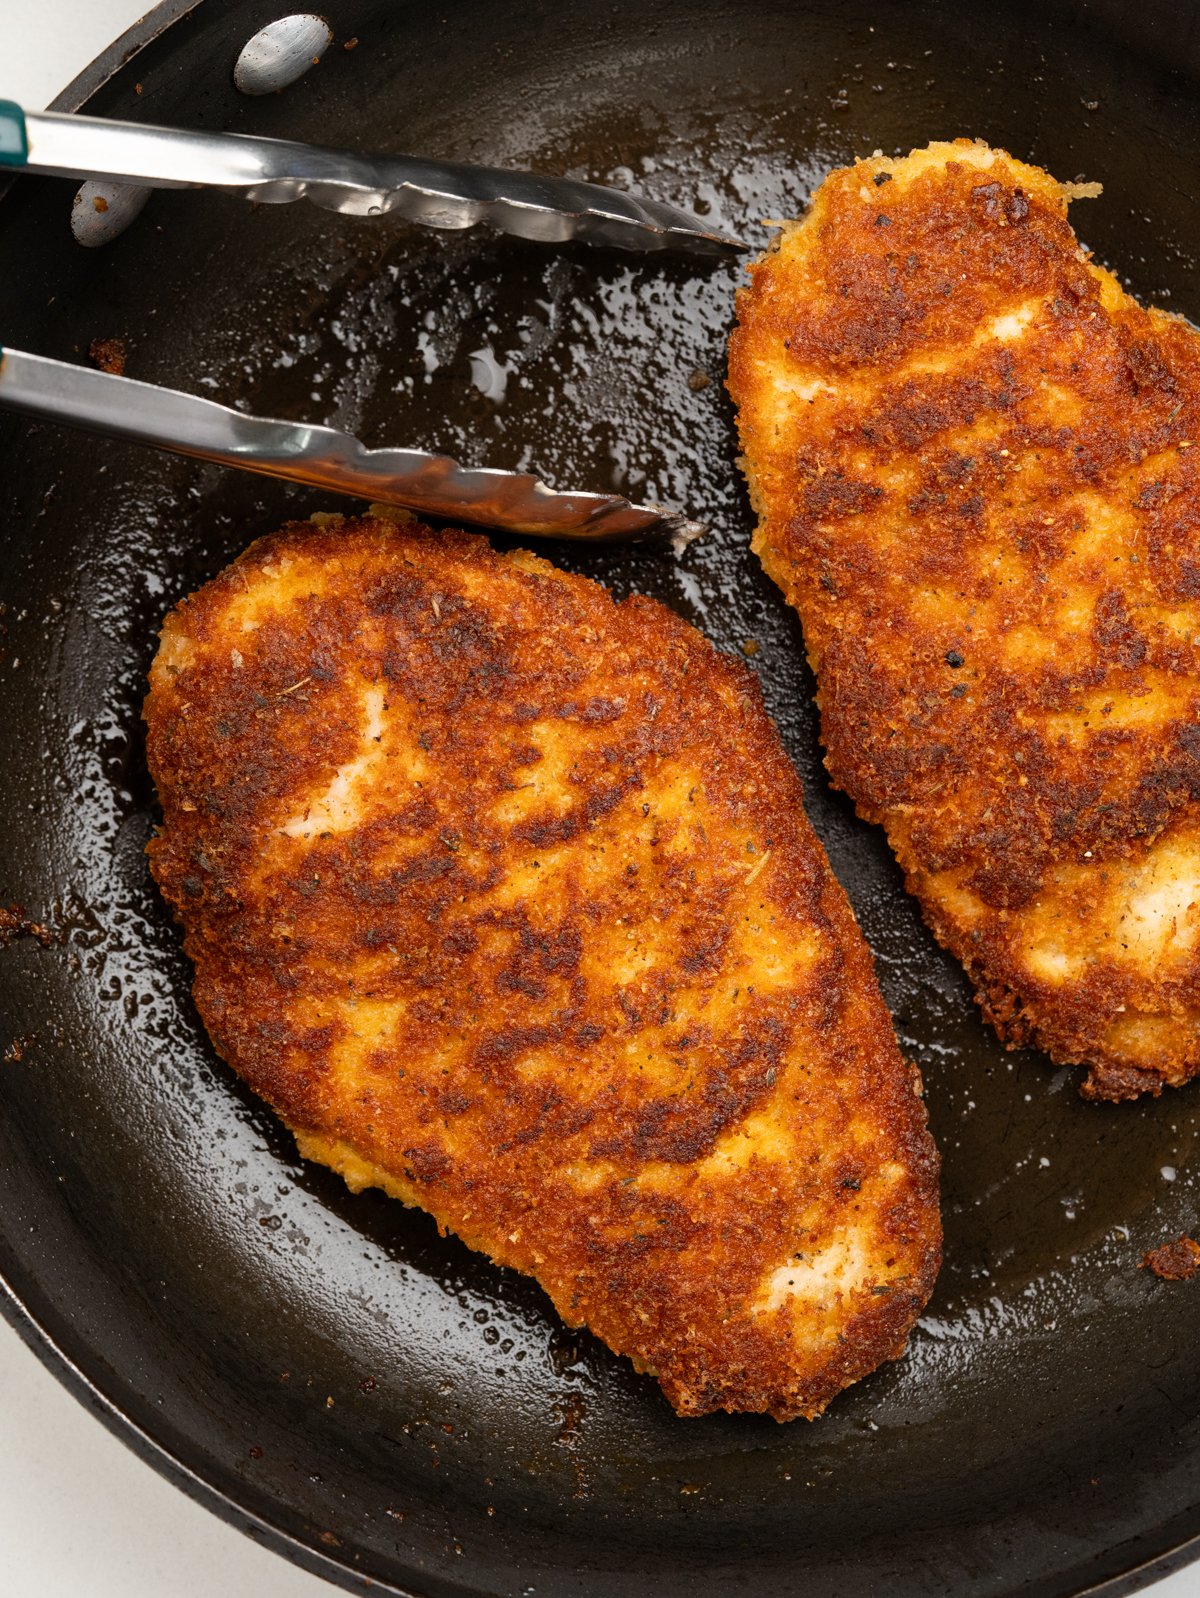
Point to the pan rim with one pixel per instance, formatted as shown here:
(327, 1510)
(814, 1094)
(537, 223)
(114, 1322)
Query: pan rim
(38, 1338)
(70, 1370)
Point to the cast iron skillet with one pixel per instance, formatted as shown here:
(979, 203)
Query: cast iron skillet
(324, 1370)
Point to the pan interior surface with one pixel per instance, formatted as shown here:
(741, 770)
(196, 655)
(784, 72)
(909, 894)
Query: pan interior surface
(377, 1399)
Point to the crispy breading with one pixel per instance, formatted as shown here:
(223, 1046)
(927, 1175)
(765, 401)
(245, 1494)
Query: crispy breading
(503, 896)
(972, 458)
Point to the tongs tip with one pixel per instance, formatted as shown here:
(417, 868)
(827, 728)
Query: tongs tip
(719, 242)
(680, 531)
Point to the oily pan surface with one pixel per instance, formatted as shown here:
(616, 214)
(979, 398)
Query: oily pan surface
(154, 1216)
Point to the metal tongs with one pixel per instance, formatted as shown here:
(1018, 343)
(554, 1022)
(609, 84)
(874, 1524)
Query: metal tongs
(434, 485)
(439, 194)
(435, 194)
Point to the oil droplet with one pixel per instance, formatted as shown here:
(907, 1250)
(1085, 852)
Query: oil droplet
(489, 375)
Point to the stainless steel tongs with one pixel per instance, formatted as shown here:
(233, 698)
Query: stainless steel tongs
(436, 194)
(439, 194)
(434, 485)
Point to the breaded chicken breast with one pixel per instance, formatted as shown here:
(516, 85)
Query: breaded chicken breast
(502, 895)
(972, 458)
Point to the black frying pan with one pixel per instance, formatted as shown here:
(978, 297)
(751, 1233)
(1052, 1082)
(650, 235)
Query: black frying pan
(324, 1370)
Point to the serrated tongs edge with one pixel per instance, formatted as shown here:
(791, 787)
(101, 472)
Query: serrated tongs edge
(326, 457)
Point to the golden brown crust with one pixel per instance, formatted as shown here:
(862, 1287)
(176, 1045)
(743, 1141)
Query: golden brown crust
(503, 896)
(971, 454)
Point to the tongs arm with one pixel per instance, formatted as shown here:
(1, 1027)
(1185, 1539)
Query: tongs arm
(439, 194)
(433, 485)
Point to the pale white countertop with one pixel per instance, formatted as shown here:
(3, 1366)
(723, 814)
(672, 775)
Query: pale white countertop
(79, 1514)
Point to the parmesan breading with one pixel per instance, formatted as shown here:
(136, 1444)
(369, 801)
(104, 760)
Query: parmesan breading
(503, 896)
(972, 455)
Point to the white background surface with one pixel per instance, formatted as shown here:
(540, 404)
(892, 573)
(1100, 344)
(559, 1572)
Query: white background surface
(79, 1514)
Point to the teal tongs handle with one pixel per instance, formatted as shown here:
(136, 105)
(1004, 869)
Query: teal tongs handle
(14, 139)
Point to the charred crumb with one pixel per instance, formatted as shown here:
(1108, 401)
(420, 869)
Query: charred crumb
(108, 354)
(1173, 1262)
(15, 1052)
(14, 924)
